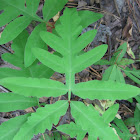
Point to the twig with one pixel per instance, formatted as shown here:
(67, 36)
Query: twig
(116, 6)
(5, 90)
(92, 8)
(95, 72)
(43, 136)
(135, 17)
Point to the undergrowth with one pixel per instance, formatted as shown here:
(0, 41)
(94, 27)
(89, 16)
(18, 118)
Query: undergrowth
(32, 81)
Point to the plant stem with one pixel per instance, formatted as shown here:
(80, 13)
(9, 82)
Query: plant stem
(70, 81)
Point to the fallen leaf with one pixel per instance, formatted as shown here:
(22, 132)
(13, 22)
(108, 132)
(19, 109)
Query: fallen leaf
(129, 51)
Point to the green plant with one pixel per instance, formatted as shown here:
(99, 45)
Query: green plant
(122, 129)
(68, 43)
(27, 11)
(119, 63)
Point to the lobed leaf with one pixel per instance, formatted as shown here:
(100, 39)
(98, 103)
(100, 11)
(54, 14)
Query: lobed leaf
(43, 119)
(8, 129)
(11, 102)
(87, 59)
(18, 45)
(105, 90)
(68, 40)
(54, 62)
(34, 86)
(51, 8)
(34, 41)
(88, 119)
(85, 20)
(17, 59)
(13, 8)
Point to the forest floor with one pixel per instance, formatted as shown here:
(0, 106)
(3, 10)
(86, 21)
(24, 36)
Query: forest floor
(121, 22)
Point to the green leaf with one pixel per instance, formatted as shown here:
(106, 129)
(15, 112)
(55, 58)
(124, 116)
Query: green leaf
(43, 119)
(137, 120)
(105, 90)
(120, 52)
(122, 130)
(8, 72)
(119, 76)
(88, 17)
(134, 71)
(73, 130)
(110, 73)
(88, 119)
(32, 6)
(13, 29)
(8, 11)
(39, 71)
(126, 61)
(11, 102)
(84, 40)
(9, 128)
(17, 58)
(113, 73)
(129, 122)
(54, 62)
(51, 8)
(34, 86)
(13, 8)
(28, 11)
(87, 59)
(133, 77)
(133, 74)
(67, 40)
(34, 41)
(102, 62)
(109, 115)
(138, 98)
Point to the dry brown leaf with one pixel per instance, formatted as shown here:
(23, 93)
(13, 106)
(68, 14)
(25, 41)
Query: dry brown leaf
(56, 17)
(81, 3)
(49, 28)
(30, 109)
(127, 31)
(129, 51)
